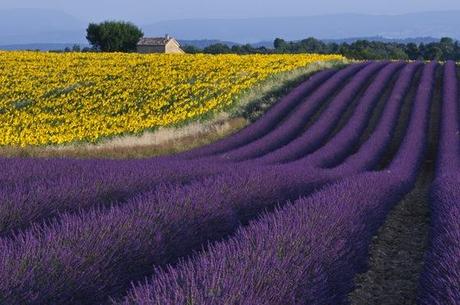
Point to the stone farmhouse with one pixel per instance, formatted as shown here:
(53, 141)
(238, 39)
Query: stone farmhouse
(164, 44)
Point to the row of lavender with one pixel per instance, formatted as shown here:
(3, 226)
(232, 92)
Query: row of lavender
(103, 239)
(88, 255)
(440, 282)
(35, 190)
(307, 252)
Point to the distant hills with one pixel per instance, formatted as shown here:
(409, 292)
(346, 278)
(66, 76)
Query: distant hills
(41, 46)
(203, 43)
(416, 40)
(429, 24)
(47, 29)
(25, 26)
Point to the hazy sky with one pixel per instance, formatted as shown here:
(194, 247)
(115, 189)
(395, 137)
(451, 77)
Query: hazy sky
(154, 10)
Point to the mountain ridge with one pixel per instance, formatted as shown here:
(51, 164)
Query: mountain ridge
(37, 26)
(338, 26)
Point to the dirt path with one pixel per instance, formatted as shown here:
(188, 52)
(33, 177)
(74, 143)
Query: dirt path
(396, 255)
(397, 252)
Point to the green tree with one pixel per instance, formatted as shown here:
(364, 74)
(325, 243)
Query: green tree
(432, 51)
(447, 46)
(217, 48)
(312, 45)
(412, 51)
(191, 49)
(113, 36)
(280, 44)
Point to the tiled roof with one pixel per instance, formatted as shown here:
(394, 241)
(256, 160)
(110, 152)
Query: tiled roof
(153, 41)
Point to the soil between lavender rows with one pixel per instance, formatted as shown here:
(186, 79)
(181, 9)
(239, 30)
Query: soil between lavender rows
(396, 255)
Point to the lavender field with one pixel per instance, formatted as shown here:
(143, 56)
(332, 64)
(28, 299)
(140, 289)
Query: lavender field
(285, 211)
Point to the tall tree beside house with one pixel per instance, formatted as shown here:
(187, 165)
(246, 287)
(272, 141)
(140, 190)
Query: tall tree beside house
(114, 36)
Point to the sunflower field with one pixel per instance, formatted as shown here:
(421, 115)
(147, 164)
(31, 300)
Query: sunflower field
(56, 98)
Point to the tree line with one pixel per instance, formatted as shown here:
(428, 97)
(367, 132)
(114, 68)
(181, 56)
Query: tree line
(118, 36)
(446, 49)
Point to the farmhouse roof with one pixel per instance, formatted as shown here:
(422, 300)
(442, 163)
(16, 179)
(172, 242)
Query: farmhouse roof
(154, 41)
